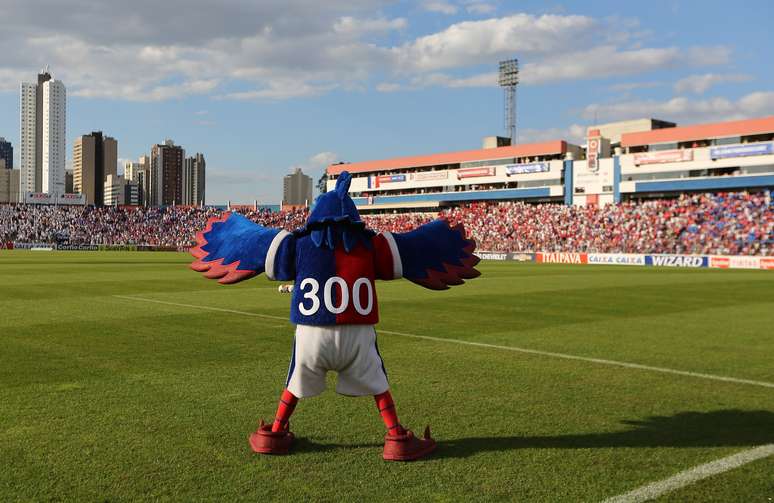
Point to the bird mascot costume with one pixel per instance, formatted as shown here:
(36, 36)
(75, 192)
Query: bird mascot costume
(334, 261)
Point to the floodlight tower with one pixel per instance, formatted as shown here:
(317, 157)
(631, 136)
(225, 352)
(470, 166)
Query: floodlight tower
(508, 79)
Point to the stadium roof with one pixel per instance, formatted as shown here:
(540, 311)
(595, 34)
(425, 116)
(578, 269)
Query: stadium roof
(699, 132)
(526, 150)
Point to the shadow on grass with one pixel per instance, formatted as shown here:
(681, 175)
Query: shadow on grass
(722, 428)
(306, 445)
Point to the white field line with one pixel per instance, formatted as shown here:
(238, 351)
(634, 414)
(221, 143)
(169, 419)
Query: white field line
(692, 475)
(207, 308)
(601, 361)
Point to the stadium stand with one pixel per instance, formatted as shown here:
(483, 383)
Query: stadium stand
(167, 226)
(737, 223)
(719, 224)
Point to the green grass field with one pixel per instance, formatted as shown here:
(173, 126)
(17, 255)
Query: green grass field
(108, 398)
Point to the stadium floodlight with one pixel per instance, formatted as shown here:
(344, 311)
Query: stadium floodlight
(508, 79)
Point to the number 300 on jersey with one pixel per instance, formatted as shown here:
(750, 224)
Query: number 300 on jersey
(310, 288)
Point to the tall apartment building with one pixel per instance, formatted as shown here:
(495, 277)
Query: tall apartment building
(194, 180)
(95, 157)
(6, 152)
(43, 120)
(139, 173)
(166, 174)
(120, 191)
(9, 184)
(69, 181)
(297, 189)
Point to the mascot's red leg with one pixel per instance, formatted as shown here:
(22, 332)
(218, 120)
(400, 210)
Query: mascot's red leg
(287, 405)
(387, 410)
(401, 444)
(277, 438)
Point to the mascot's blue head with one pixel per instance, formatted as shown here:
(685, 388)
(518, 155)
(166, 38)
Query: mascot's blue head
(335, 217)
(335, 206)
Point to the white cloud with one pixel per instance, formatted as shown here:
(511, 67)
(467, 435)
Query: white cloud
(607, 61)
(700, 84)
(315, 165)
(758, 103)
(472, 42)
(440, 80)
(323, 159)
(593, 63)
(388, 87)
(625, 87)
(281, 90)
(575, 133)
(440, 6)
(684, 109)
(159, 51)
(480, 8)
(156, 93)
(354, 26)
(283, 49)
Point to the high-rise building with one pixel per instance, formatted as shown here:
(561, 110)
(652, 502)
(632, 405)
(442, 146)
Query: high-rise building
(297, 189)
(94, 158)
(6, 152)
(166, 174)
(43, 120)
(9, 184)
(194, 180)
(120, 191)
(139, 173)
(69, 181)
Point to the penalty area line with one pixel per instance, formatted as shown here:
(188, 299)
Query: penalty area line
(693, 475)
(538, 352)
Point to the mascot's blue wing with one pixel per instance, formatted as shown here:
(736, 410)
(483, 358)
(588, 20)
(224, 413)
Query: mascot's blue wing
(232, 248)
(437, 255)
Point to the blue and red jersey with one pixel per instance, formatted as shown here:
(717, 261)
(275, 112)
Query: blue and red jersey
(333, 286)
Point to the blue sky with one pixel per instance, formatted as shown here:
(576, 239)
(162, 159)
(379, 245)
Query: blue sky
(263, 87)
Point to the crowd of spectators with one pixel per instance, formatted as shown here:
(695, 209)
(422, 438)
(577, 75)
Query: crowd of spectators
(726, 224)
(165, 227)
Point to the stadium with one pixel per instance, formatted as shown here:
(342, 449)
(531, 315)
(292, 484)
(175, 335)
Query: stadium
(617, 342)
(584, 316)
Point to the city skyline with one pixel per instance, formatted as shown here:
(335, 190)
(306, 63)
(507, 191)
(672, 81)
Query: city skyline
(371, 80)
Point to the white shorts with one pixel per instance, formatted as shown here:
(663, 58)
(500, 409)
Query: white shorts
(349, 350)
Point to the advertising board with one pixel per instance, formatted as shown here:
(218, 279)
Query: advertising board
(616, 259)
(734, 262)
(522, 169)
(381, 180)
(430, 175)
(741, 150)
(677, 260)
(663, 156)
(513, 256)
(475, 172)
(561, 258)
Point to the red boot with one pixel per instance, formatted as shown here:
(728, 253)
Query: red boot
(265, 441)
(407, 447)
